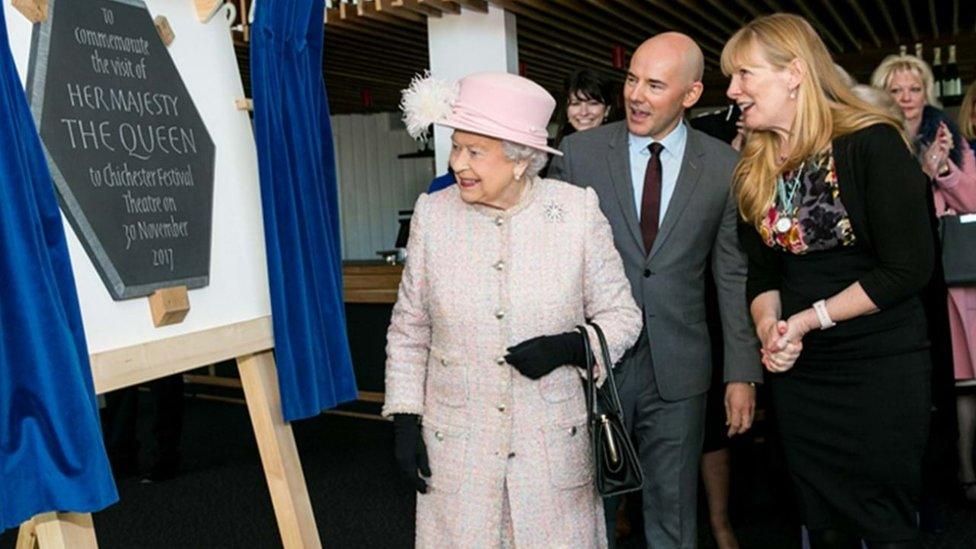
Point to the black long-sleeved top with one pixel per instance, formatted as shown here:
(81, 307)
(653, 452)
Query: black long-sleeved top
(884, 191)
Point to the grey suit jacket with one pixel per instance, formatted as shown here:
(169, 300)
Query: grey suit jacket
(669, 283)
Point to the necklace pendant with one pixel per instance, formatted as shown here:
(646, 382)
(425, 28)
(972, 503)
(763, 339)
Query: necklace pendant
(783, 224)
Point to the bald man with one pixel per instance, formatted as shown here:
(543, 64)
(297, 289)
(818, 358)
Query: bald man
(666, 189)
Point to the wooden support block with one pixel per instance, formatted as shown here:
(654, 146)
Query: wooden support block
(65, 531)
(207, 8)
(34, 10)
(27, 536)
(244, 104)
(279, 455)
(169, 306)
(165, 31)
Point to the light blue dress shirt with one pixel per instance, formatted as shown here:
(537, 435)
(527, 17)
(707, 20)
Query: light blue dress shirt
(671, 157)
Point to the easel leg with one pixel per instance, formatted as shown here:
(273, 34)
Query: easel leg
(64, 531)
(279, 455)
(26, 536)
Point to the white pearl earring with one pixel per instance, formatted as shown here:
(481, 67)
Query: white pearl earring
(792, 94)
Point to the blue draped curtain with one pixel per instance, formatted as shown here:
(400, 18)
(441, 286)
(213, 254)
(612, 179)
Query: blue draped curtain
(52, 457)
(300, 202)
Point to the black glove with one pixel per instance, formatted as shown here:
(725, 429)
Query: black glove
(538, 356)
(410, 450)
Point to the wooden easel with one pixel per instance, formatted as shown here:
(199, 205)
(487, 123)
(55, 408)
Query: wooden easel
(251, 343)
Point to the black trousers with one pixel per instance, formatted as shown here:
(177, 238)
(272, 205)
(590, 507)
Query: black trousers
(669, 442)
(121, 413)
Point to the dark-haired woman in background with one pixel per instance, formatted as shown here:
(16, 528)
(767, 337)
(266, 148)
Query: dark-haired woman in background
(589, 100)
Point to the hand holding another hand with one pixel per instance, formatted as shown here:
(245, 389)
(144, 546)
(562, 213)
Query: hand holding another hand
(782, 342)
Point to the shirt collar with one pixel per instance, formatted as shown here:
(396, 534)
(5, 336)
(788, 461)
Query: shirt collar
(671, 142)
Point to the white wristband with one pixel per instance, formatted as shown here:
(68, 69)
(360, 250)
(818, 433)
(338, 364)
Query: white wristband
(820, 307)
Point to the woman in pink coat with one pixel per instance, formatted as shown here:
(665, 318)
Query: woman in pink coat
(946, 157)
(482, 372)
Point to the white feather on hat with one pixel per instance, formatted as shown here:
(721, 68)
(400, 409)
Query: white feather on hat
(426, 101)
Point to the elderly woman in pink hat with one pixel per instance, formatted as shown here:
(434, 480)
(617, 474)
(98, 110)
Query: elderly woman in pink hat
(483, 363)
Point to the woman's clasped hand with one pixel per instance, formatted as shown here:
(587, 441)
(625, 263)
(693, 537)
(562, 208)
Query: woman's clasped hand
(782, 342)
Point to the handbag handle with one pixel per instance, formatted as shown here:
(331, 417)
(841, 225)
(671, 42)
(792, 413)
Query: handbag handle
(591, 409)
(605, 352)
(591, 393)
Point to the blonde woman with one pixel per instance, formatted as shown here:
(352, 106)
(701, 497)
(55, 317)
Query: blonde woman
(967, 114)
(839, 245)
(943, 152)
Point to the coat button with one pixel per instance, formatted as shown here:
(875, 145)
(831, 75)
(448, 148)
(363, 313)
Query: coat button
(572, 431)
(499, 221)
(499, 314)
(500, 265)
(439, 435)
(647, 273)
(501, 408)
(500, 360)
(511, 455)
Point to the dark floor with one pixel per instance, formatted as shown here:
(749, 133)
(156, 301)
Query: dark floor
(221, 499)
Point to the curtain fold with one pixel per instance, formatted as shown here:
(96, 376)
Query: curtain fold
(52, 457)
(300, 203)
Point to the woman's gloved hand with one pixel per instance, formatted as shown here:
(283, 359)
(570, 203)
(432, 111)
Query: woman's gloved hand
(538, 356)
(410, 450)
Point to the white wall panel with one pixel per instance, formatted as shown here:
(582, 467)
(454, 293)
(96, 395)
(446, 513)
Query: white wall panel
(373, 183)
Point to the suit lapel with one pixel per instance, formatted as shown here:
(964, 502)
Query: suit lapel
(684, 189)
(619, 167)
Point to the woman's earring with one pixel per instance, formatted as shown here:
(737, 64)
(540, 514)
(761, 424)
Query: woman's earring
(792, 94)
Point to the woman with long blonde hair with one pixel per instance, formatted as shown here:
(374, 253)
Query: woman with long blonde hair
(839, 244)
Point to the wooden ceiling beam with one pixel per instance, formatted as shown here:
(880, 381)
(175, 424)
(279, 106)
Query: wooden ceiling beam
(476, 5)
(390, 68)
(889, 22)
(667, 7)
(581, 48)
(912, 28)
(821, 28)
(856, 6)
(643, 29)
(640, 11)
(601, 18)
(753, 10)
(415, 35)
(955, 17)
(409, 5)
(562, 67)
(585, 57)
(541, 10)
(933, 19)
(372, 9)
(359, 76)
(721, 7)
(443, 6)
(694, 6)
(368, 36)
(829, 6)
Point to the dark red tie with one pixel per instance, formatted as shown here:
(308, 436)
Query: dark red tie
(651, 199)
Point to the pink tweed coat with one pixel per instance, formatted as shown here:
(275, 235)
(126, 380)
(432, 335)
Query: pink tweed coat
(955, 193)
(509, 456)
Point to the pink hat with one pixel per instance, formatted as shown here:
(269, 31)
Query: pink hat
(494, 104)
(505, 106)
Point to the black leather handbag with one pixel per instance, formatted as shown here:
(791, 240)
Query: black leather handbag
(618, 469)
(958, 249)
